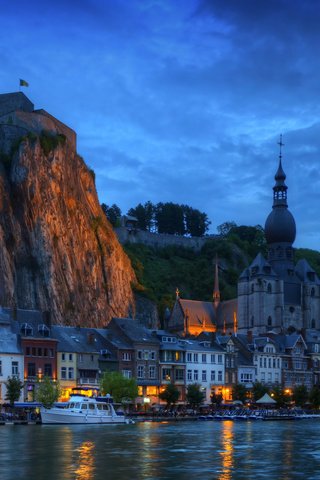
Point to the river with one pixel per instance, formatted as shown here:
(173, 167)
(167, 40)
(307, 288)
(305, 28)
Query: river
(226, 450)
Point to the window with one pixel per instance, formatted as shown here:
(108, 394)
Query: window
(189, 375)
(39, 352)
(63, 373)
(43, 330)
(70, 357)
(195, 375)
(213, 375)
(166, 374)
(34, 351)
(152, 371)
(265, 363)
(31, 369)
(80, 357)
(139, 354)
(50, 352)
(245, 377)
(47, 370)
(269, 321)
(269, 362)
(312, 294)
(140, 371)
(126, 356)
(189, 357)
(269, 288)
(260, 362)
(28, 351)
(313, 323)
(219, 376)
(204, 358)
(195, 357)
(127, 373)
(15, 368)
(179, 374)
(152, 355)
(219, 358)
(213, 358)
(70, 373)
(26, 330)
(204, 375)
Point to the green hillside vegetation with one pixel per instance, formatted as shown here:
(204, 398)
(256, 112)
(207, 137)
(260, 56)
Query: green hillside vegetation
(160, 271)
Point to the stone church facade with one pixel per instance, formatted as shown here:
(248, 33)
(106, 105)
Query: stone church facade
(275, 294)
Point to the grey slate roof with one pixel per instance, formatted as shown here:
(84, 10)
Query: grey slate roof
(78, 340)
(9, 341)
(134, 331)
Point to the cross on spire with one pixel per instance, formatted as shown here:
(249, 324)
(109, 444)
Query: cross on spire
(281, 145)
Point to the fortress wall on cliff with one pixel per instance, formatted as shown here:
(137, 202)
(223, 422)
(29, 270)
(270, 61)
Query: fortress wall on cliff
(18, 117)
(160, 240)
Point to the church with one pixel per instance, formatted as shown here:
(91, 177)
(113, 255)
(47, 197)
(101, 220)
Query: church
(274, 294)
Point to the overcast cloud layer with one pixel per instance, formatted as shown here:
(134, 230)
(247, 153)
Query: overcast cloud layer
(180, 100)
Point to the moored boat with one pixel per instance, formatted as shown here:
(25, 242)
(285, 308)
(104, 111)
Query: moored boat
(83, 410)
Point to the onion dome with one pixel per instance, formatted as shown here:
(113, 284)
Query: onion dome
(280, 226)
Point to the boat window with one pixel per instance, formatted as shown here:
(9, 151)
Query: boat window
(91, 406)
(84, 406)
(105, 407)
(99, 406)
(71, 405)
(77, 405)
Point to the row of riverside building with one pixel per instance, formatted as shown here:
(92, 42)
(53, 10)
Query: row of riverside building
(30, 348)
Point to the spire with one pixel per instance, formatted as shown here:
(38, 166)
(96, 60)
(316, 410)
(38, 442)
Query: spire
(177, 293)
(280, 188)
(216, 291)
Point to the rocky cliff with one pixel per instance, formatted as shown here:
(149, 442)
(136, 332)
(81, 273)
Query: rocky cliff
(58, 253)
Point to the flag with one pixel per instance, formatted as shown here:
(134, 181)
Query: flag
(23, 83)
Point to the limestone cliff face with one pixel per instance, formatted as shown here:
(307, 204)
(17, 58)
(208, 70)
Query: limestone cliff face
(57, 250)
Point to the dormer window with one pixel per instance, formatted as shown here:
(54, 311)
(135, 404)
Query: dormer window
(26, 330)
(43, 330)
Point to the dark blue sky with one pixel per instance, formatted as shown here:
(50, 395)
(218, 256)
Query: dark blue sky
(180, 100)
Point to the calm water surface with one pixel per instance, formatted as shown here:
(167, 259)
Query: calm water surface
(188, 450)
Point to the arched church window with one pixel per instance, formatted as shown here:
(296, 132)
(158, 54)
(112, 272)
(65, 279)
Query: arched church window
(269, 288)
(312, 292)
(313, 323)
(269, 321)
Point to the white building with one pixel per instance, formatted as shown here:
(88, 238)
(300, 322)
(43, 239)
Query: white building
(267, 361)
(205, 365)
(11, 356)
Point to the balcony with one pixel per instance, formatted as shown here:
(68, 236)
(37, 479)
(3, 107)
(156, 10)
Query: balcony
(88, 381)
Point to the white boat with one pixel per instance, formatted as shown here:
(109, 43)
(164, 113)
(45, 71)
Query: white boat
(83, 410)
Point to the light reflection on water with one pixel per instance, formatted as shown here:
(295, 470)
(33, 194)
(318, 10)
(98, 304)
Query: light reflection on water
(162, 451)
(227, 452)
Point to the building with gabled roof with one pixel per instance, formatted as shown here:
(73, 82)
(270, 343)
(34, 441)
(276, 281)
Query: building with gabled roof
(274, 294)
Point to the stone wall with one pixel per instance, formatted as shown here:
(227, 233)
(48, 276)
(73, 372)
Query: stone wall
(160, 240)
(9, 102)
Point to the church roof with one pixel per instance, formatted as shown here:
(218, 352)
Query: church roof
(306, 273)
(260, 266)
(198, 312)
